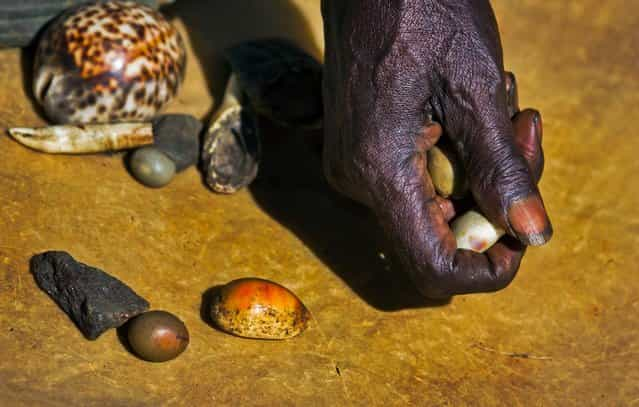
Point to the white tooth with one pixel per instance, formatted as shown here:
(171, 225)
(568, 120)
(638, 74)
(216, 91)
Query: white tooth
(69, 139)
(474, 232)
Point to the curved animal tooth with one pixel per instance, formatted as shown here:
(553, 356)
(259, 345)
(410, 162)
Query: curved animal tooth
(474, 232)
(69, 139)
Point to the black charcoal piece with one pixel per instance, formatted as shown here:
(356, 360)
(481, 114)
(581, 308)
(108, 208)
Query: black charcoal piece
(283, 82)
(178, 136)
(94, 300)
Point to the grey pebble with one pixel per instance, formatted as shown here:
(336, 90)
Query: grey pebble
(178, 136)
(152, 167)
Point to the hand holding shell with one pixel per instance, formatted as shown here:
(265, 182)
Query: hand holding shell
(472, 230)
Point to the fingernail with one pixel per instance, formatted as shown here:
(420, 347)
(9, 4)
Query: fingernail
(447, 208)
(512, 96)
(527, 127)
(526, 133)
(538, 164)
(511, 81)
(539, 128)
(529, 222)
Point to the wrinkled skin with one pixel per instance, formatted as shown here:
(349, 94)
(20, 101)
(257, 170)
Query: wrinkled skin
(391, 66)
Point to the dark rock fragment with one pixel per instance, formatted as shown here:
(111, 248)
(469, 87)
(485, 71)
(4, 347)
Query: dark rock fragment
(178, 136)
(94, 300)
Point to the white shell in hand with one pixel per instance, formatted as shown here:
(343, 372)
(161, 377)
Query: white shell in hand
(474, 232)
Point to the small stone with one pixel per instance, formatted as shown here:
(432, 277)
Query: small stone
(152, 167)
(94, 300)
(512, 96)
(157, 336)
(178, 136)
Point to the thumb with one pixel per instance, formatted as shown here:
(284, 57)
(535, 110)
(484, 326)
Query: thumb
(499, 177)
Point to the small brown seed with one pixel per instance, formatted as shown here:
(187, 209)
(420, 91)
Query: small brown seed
(446, 172)
(256, 308)
(157, 336)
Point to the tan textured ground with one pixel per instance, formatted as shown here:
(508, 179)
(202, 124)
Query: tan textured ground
(575, 300)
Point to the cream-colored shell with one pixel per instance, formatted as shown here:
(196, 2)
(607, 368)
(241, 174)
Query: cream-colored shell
(474, 232)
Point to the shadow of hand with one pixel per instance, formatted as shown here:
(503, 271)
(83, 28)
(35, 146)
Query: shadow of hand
(344, 235)
(290, 186)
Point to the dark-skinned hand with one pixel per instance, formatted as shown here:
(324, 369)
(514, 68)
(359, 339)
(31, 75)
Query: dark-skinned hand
(397, 73)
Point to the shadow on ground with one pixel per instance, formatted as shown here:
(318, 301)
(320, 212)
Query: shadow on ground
(213, 26)
(290, 186)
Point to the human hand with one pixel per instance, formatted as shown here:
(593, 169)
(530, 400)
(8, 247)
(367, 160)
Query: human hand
(390, 67)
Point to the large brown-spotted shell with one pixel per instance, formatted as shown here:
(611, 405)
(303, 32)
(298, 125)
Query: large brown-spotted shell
(108, 62)
(256, 308)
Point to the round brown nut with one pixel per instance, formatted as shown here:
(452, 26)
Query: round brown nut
(257, 308)
(108, 62)
(157, 336)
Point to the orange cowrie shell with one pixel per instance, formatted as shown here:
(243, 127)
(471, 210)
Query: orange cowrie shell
(257, 308)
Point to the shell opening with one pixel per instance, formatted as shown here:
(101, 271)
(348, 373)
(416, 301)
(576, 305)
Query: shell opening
(43, 85)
